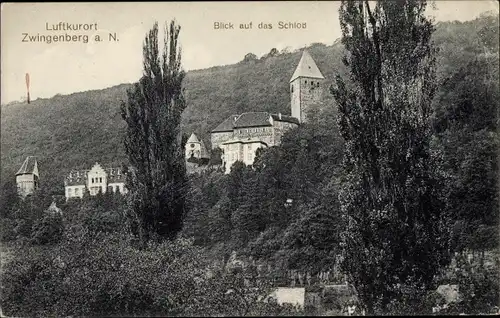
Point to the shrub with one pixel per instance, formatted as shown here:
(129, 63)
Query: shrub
(101, 274)
(109, 221)
(48, 230)
(479, 290)
(7, 229)
(23, 228)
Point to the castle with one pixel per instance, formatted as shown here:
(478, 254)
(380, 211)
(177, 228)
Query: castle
(94, 181)
(239, 136)
(27, 178)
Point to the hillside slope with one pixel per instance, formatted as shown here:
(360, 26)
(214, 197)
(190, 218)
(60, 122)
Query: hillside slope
(74, 131)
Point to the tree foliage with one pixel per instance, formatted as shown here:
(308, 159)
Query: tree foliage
(396, 235)
(157, 178)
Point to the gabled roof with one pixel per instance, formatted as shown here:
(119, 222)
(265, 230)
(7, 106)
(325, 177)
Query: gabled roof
(307, 68)
(253, 119)
(286, 118)
(193, 138)
(80, 177)
(244, 141)
(115, 175)
(29, 165)
(226, 125)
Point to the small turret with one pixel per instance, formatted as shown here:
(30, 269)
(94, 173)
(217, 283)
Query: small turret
(27, 177)
(195, 148)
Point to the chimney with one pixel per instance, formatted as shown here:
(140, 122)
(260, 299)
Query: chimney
(279, 116)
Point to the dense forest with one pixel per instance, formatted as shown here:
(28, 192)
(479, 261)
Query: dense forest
(283, 211)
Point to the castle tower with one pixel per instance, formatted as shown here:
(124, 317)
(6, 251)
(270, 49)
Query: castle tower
(195, 148)
(27, 177)
(306, 86)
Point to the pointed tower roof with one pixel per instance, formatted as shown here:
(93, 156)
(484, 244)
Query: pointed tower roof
(193, 138)
(307, 67)
(29, 165)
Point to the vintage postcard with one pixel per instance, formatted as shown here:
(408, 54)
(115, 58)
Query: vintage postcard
(269, 158)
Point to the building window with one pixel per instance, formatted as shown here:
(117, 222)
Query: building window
(250, 147)
(92, 180)
(76, 191)
(100, 179)
(117, 189)
(192, 145)
(291, 88)
(249, 156)
(70, 192)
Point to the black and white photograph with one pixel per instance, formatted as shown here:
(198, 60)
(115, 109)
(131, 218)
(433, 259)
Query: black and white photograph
(260, 158)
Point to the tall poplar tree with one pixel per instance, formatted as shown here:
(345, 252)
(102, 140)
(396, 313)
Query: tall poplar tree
(157, 176)
(396, 235)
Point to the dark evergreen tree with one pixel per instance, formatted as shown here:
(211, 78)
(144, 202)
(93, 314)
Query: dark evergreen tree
(157, 178)
(9, 200)
(247, 219)
(396, 236)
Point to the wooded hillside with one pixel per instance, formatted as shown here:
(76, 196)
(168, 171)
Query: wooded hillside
(73, 131)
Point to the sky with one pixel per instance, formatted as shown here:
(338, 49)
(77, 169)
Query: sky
(67, 67)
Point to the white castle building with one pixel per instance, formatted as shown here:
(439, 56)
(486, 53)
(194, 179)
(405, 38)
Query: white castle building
(95, 180)
(239, 136)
